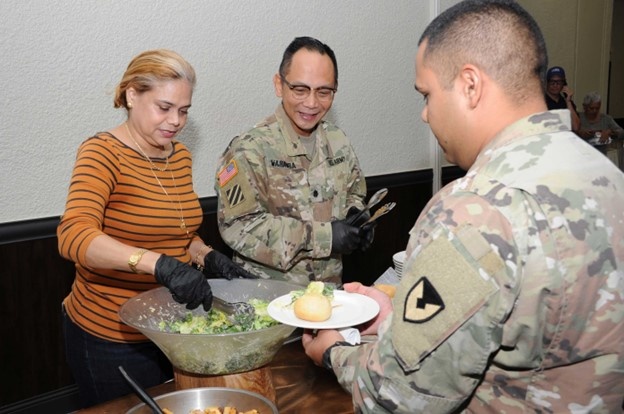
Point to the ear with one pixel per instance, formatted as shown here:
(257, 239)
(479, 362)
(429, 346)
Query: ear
(131, 94)
(277, 84)
(471, 82)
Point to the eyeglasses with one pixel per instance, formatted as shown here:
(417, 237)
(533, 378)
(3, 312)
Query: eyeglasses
(301, 92)
(556, 82)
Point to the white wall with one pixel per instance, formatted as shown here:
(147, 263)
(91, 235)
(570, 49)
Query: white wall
(61, 60)
(578, 37)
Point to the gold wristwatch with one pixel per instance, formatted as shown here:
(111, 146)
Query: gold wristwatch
(134, 259)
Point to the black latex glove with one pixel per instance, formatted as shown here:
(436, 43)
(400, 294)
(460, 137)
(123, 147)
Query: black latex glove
(186, 284)
(345, 238)
(354, 220)
(367, 233)
(216, 264)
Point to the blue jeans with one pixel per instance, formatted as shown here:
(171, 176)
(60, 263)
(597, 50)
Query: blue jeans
(94, 364)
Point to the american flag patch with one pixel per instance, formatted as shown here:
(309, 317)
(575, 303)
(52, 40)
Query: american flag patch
(235, 195)
(227, 173)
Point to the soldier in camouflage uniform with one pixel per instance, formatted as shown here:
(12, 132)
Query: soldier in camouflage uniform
(512, 294)
(286, 186)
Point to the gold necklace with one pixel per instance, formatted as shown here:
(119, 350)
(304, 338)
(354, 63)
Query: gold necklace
(144, 154)
(179, 207)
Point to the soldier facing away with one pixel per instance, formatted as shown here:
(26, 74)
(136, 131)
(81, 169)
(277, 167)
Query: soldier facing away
(512, 294)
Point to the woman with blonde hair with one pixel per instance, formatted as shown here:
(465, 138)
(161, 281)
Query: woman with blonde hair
(130, 225)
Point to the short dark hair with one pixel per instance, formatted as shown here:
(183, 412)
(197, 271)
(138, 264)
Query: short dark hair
(311, 44)
(498, 36)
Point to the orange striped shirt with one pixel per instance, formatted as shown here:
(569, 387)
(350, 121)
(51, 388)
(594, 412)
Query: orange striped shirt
(114, 192)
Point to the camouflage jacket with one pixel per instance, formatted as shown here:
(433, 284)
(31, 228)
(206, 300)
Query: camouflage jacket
(276, 205)
(512, 295)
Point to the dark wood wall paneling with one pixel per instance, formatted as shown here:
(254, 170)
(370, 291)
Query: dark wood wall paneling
(35, 279)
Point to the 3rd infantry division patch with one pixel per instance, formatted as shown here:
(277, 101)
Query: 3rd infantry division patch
(423, 302)
(235, 195)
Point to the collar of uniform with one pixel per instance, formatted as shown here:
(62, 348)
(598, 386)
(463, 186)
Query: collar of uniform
(294, 144)
(557, 120)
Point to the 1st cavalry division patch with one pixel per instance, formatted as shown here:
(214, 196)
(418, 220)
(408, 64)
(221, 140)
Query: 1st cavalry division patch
(423, 302)
(451, 279)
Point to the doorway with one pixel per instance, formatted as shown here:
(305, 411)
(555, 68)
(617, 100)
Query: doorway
(615, 99)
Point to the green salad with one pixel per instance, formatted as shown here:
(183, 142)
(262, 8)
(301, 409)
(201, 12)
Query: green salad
(315, 287)
(218, 322)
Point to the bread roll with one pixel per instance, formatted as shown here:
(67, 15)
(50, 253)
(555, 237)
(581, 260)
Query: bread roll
(389, 290)
(313, 307)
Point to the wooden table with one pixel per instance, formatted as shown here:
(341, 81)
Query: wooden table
(300, 387)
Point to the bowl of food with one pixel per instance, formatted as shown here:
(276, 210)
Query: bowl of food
(200, 400)
(155, 312)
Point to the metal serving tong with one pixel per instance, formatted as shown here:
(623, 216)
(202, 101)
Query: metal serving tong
(140, 392)
(383, 210)
(374, 200)
(242, 310)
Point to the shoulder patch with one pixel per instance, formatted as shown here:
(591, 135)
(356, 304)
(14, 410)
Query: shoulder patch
(422, 303)
(442, 286)
(227, 173)
(235, 195)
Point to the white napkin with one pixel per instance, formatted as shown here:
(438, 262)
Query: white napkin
(389, 277)
(351, 335)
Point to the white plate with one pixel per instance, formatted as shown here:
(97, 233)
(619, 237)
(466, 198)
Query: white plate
(398, 258)
(348, 309)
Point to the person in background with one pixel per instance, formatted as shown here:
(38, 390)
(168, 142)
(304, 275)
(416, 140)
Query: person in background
(593, 121)
(512, 293)
(290, 189)
(130, 225)
(559, 95)
(599, 129)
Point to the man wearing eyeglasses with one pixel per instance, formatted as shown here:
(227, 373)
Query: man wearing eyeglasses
(290, 188)
(559, 95)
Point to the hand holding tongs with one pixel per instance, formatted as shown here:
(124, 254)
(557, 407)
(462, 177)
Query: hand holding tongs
(385, 209)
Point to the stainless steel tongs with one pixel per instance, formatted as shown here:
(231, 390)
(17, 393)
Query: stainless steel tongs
(383, 210)
(236, 310)
(374, 200)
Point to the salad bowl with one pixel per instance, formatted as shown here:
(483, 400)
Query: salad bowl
(210, 354)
